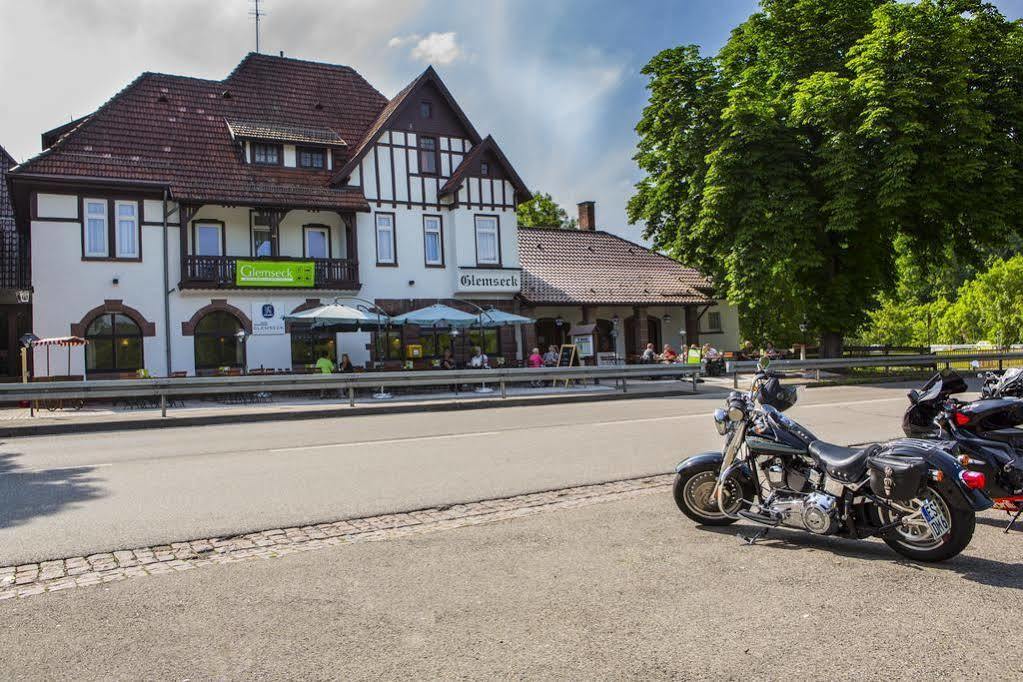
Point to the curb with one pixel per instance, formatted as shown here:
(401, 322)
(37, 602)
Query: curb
(358, 411)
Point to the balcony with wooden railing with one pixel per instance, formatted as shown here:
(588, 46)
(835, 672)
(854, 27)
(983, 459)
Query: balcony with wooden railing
(220, 272)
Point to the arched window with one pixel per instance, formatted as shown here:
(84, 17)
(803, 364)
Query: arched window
(115, 344)
(217, 343)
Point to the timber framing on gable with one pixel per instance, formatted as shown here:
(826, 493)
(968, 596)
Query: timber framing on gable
(408, 97)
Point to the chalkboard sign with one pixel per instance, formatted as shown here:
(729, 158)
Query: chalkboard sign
(567, 357)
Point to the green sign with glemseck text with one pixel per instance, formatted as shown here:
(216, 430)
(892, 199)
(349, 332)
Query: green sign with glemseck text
(269, 273)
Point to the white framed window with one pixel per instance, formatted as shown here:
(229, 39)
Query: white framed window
(488, 240)
(96, 245)
(317, 241)
(713, 321)
(209, 239)
(386, 252)
(127, 234)
(262, 241)
(433, 240)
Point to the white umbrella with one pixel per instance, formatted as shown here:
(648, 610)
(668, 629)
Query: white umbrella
(339, 315)
(437, 315)
(499, 318)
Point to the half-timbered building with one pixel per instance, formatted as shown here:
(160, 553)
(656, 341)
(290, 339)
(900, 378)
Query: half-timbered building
(177, 224)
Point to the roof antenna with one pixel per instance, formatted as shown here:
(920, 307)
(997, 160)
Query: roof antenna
(256, 13)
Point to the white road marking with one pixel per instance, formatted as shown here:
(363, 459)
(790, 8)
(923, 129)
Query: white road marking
(77, 466)
(389, 441)
(612, 422)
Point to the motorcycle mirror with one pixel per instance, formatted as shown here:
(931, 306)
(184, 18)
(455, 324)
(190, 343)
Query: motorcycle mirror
(764, 363)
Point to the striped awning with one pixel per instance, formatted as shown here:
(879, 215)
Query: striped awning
(60, 341)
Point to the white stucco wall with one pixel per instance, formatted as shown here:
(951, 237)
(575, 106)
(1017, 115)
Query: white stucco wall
(66, 287)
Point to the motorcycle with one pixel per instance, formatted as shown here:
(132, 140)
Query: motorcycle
(1007, 384)
(912, 493)
(986, 431)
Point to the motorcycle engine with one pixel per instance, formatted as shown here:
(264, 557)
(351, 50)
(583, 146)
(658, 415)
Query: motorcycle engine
(816, 512)
(819, 513)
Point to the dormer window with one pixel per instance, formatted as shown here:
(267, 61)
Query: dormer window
(425, 110)
(266, 154)
(312, 158)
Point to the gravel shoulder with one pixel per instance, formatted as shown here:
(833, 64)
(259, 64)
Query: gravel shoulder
(620, 589)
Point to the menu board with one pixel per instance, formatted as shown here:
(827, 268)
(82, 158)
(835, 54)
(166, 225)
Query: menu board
(567, 357)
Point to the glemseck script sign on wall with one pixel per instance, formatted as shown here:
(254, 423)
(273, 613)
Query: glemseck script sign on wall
(503, 280)
(269, 273)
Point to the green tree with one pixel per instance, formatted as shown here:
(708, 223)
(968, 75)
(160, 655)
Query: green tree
(988, 308)
(543, 211)
(788, 166)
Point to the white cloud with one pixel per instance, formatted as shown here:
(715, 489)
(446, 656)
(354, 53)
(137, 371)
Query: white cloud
(434, 48)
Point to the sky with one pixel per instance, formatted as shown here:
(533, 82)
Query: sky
(557, 83)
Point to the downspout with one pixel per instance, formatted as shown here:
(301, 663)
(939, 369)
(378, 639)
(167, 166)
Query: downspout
(166, 288)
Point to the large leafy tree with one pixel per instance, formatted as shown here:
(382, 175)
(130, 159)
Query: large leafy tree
(988, 308)
(543, 211)
(787, 166)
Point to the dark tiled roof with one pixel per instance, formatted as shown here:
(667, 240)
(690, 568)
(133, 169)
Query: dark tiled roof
(172, 130)
(282, 133)
(599, 268)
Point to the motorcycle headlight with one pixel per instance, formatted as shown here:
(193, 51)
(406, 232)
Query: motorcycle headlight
(721, 421)
(736, 413)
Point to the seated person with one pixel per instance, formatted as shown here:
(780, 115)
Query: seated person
(668, 354)
(346, 366)
(649, 354)
(550, 358)
(479, 359)
(535, 359)
(324, 365)
(448, 361)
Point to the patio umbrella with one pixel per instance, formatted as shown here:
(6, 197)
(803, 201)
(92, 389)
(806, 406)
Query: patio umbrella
(339, 315)
(437, 315)
(499, 318)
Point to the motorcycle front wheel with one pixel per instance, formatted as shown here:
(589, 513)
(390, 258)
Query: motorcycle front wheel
(693, 492)
(914, 539)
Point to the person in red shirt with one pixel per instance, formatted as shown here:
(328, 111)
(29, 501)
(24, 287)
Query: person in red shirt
(668, 354)
(535, 359)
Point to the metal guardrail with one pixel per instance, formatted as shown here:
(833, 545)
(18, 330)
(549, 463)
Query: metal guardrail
(929, 360)
(162, 388)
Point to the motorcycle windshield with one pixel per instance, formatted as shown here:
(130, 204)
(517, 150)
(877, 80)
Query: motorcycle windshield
(942, 385)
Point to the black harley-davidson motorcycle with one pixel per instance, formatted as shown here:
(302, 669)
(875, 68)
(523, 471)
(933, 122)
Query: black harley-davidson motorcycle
(987, 431)
(912, 493)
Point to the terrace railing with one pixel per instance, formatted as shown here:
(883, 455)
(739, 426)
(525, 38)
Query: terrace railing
(219, 271)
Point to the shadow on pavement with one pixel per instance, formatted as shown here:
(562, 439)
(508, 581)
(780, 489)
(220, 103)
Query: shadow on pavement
(976, 569)
(28, 493)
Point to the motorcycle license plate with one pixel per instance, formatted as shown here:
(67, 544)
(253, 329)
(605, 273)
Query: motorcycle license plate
(936, 521)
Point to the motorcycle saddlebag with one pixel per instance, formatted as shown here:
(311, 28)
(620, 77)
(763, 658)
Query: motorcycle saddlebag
(896, 477)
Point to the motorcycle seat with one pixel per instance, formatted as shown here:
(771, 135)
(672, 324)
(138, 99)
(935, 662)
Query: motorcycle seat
(844, 464)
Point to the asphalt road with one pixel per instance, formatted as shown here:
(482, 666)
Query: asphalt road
(619, 590)
(70, 495)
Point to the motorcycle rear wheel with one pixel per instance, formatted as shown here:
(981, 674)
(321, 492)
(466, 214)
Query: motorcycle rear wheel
(692, 492)
(916, 542)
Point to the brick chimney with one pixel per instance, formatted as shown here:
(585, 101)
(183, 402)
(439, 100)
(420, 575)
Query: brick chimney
(587, 216)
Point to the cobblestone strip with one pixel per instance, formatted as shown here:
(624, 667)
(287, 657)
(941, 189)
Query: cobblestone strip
(60, 574)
